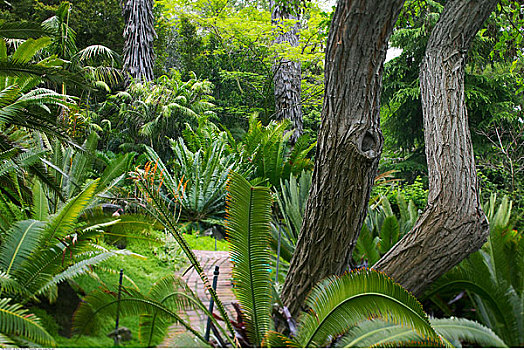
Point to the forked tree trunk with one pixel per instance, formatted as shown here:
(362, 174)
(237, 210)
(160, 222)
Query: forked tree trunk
(139, 33)
(287, 75)
(453, 224)
(349, 144)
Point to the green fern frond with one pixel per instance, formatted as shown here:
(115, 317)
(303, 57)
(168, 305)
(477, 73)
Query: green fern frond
(339, 303)
(248, 219)
(15, 321)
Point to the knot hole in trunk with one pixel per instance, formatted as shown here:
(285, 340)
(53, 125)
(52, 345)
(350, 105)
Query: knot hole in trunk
(369, 144)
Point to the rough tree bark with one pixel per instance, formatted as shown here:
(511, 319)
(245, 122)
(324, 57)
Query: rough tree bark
(139, 34)
(287, 74)
(349, 144)
(453, 224)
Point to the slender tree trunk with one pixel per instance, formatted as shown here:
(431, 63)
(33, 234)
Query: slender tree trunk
(287, 74)
(139, 33)
(349, 144)
(453, 224)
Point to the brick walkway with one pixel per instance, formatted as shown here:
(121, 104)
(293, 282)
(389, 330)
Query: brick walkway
(197, 320)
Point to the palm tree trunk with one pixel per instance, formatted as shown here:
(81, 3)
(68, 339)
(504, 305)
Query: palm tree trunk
(287, 73)
(139, 34)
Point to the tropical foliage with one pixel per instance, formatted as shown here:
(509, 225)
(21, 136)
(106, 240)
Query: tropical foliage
(37, 254)
(492, 277)
(98, 160)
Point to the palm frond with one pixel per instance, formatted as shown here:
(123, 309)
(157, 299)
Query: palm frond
(339, 303)
(389, 233)
(248, 220)
(493, 298)
(96, 52)
(29, 48)
(54, 74)
(6, 342)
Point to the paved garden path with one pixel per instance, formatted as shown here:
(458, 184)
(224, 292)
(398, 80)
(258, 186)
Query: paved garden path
(208, 261)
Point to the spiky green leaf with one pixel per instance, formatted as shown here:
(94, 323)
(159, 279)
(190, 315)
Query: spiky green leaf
(248, 220)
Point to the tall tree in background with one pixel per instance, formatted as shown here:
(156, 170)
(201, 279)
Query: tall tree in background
(139, 34)
(287, 73)
(349, 144)
(453, 224)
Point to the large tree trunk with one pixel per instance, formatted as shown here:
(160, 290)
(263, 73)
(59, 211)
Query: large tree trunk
(139, 33)
(349, 144)
(287, 75)
(453, 224)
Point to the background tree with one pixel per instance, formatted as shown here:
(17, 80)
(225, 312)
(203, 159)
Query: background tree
(453, 224)
(139, 34)
(349, 144)
(287, 73)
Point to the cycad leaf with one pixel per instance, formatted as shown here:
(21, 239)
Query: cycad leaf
(102, 304)
(173, 293)
(19, 242)
(338, 303)
(66, 218)
(466, 330)
(40, 202)
(279, 340)
(372, 333)
(15, 321)
(83, 266)
(116, 168)
(164, 215)
(248, 220)
(389, 233)
(474, 276)
(9, 284)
